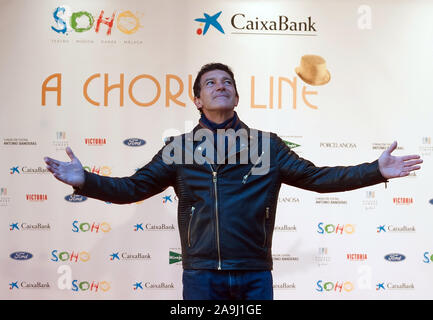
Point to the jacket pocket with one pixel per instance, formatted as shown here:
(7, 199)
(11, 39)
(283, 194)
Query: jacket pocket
(191, 215)
(265, 222)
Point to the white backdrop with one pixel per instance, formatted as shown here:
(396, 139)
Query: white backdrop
(379, 56)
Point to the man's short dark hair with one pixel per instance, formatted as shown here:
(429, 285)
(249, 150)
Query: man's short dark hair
(209, 67)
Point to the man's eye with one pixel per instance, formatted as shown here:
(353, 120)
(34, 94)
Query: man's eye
(209, 83)
(228, 82)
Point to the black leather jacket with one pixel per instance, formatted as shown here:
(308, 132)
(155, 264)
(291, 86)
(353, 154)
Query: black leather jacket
(226, 215)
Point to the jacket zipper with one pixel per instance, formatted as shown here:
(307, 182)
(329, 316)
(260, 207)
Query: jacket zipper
(245, 178)
(189, 226)
(264, 225)
(214, 179)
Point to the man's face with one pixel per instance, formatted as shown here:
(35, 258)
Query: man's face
(217, 92)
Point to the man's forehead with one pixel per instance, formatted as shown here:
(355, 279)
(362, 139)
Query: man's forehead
(215, 74)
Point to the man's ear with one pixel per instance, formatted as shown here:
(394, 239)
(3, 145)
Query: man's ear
(198, 103)
(237, 101)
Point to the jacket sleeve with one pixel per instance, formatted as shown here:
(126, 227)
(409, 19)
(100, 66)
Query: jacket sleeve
(302, 173)
(151, 179)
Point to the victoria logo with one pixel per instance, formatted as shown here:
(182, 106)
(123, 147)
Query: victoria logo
(134, 142)
(395, 257)
(21, 255)
(209, 21)
(75, 198)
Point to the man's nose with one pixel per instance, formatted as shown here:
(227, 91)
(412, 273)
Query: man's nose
(220, 86)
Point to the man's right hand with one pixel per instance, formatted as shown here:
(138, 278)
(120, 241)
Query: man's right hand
(71, 173)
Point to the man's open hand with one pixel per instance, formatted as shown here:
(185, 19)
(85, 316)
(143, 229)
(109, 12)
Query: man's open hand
(395, 167)
(71, 173)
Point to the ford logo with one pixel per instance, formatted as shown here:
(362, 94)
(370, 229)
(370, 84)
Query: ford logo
(395, 257)
(134, 142)
(21, 255)
(75, 198)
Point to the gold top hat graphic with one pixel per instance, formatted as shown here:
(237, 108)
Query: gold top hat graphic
(313, 70)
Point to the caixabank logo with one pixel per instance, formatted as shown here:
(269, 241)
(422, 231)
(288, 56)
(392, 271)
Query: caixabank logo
(153, 227)
(27, 226)
(18, 170)
(242, 22)
(15, 285)
(151, 285)
(130, 256)
(382, 286)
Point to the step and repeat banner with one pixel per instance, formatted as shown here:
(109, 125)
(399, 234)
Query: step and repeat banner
(338, 81)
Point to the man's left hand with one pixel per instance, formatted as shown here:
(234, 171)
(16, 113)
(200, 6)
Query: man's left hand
(395, 167)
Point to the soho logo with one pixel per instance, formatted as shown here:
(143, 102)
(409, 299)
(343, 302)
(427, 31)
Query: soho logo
(83, 256)
(339, 229)
(95, 227)
(337, 287)
(428, 257)
(92, 286)
(126, 21)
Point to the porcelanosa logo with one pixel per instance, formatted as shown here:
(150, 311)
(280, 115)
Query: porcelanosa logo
(338, 145)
